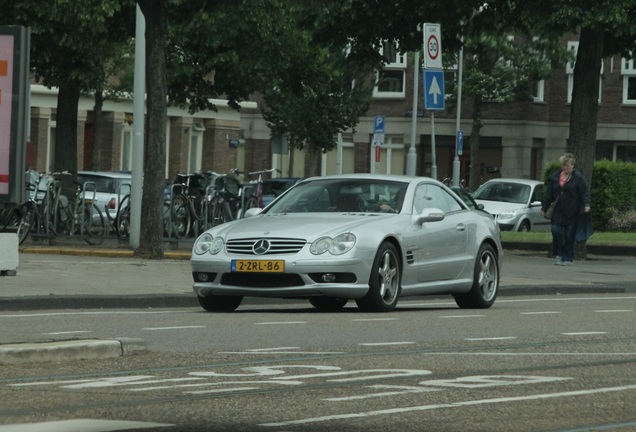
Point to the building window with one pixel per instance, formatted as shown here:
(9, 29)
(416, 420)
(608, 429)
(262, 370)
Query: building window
(196, 147)
(629, 81)
(539, 91)
(569, 69)
(126, 148)
(50, 151)
(391, 80)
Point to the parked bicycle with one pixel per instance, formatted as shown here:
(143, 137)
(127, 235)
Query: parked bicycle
(34, 212)
(190, 197)
(231, 198)
(75, 212)
(256, 200)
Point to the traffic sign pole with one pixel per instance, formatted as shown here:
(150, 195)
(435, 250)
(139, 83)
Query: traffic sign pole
(433, 81)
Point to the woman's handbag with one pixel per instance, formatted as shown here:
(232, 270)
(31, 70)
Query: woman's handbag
(550, 210)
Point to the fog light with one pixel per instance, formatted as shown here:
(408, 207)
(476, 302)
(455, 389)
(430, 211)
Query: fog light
(328, 277)
(203, 277)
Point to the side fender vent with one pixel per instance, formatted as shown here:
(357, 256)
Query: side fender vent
(410, 259)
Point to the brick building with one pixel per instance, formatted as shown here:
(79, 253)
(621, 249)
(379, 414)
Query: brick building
(516, 140)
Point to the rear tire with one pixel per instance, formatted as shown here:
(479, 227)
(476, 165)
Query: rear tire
(220, 303)
(385, 281)
(483, 293)
(122, 220)
(180, 216)
(328, 304)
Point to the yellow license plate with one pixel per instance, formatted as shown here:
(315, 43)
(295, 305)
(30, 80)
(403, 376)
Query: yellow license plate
(258, 266)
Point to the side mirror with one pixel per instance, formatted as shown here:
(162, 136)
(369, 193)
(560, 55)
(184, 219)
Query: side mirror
(536, 204)
(252, 212)
(430, 215)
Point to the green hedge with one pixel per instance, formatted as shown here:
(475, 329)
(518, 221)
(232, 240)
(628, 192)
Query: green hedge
(613, 190)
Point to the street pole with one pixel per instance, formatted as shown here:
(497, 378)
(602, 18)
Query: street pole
(411, 157)
(139, 86)
(433, 155)
(456, 162)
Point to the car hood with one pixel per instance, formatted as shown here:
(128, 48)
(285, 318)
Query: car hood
(496, 207)
(302, 225)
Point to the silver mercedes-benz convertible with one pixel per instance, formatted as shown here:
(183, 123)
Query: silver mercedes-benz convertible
(363, 237)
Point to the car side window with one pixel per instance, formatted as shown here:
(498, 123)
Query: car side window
(537, 195)
(433, 196)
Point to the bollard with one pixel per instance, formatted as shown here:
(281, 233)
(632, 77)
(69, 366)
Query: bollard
(8, 254)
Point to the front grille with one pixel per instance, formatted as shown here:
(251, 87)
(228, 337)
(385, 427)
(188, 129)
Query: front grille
(278, 246)
(260, 280)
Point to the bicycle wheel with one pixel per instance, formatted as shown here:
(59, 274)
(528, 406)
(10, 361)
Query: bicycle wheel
(92, 225)
(122, 220)
(217, 209)
(25, 222)
(180, 216)
(251, 202)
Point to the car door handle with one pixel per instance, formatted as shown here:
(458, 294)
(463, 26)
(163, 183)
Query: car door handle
(460, 227)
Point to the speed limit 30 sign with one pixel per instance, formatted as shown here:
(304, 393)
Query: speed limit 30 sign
(432, 46)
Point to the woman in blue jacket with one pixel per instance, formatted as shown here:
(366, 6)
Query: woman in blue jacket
(569, 187)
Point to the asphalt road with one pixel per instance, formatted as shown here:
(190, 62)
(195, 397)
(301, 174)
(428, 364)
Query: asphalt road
(530, 363)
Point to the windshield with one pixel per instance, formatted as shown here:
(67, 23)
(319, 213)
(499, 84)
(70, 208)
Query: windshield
(341, 195)
(503, 192)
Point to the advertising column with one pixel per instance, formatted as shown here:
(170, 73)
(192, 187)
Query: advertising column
(14, 109)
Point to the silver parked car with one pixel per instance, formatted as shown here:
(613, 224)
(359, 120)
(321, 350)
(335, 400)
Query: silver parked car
(515, 203)
(363, 237)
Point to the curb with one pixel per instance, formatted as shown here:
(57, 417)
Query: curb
(112, 253)
(60, 351)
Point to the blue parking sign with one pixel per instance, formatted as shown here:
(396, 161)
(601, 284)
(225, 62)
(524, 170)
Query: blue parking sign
(378, 124)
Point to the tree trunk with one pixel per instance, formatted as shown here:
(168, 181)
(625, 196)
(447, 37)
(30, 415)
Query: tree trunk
(151, 233)
(584, 107)
(475, 162)
(65, 158)
(97, 132)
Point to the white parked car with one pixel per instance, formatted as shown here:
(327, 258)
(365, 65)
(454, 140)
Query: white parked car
(363, 237)
(110, 188)
(514, 203)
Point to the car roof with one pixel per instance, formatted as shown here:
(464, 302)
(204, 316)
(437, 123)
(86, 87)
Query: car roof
(109, 174)
(514, 180)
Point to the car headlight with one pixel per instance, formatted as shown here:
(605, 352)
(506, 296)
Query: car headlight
(339, 245)
(207, 243)
(508, 214)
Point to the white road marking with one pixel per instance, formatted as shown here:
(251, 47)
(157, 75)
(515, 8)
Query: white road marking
(272, 349)
(491, 338)
(614, 311)
(69, 332)
(540, 313)
(385, 343)
(172, 328)
(281, 322)
(281, 352)
(584, 333)
(461, 316)
(110, 312)
(397, 390)
(81, 425)
(451, 405)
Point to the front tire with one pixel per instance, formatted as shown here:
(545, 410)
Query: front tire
(328, 304)
(220, 303)
(385, 281)
(485, 287)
